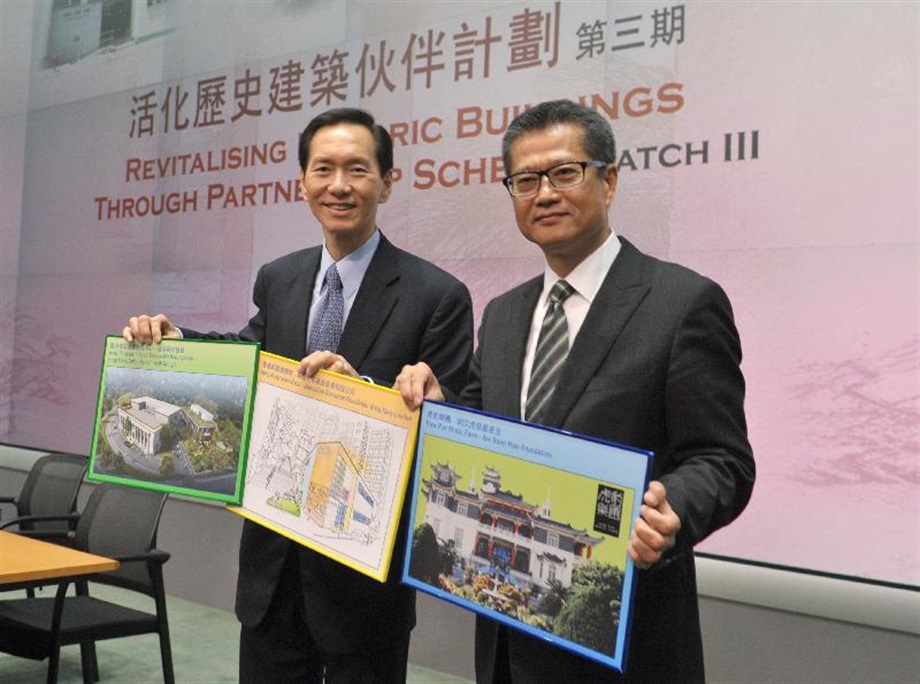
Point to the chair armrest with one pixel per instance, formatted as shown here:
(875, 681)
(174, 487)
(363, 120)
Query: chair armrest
(72, 518)
(159, 556)
(50, 535)
(152, 556)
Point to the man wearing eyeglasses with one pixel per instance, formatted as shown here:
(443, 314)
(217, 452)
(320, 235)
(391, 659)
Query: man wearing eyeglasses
(615, 344)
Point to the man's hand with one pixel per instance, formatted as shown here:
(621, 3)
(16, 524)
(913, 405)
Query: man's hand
(149, 329)
(325, 360)
(416, 383)
(656, 529)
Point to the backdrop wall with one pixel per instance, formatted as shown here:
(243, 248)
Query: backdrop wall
(148, 160)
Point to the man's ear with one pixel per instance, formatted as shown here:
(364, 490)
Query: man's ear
(387, 186)
(610, 180)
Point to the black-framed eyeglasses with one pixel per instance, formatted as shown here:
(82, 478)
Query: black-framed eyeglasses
(560, 176)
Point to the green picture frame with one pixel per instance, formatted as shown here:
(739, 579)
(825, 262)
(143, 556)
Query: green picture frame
(175, 416)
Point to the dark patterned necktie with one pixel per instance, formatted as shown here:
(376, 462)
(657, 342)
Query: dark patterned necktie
(552, 349)
(330, 315)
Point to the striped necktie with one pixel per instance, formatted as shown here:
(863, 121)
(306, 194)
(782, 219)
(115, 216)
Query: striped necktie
(552, 349)
(330, 315)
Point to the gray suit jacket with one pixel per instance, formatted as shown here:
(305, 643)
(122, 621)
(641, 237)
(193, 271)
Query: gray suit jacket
(656, 365)
(406, 310)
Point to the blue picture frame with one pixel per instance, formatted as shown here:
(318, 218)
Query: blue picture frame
(513, 521)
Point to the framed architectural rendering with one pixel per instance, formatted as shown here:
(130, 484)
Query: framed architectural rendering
(528, 526)
(175, 416)
(328, 463)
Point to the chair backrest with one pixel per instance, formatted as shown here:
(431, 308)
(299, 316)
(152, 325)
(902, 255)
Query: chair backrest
(51, 488)
(122, 521)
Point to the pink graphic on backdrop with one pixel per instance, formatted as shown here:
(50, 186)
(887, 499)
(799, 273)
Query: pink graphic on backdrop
(861, 415)
(39, 365)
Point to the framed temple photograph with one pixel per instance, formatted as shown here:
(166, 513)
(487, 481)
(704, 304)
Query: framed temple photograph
(328, 463)
(174, 416)
(527, 525)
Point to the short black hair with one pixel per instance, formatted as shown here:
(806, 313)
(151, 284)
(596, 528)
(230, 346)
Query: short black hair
(597, 138)
(383, 144)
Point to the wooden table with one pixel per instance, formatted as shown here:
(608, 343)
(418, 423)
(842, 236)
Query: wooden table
(24, 560)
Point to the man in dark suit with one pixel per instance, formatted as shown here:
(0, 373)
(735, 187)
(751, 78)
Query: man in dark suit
(305, 617)
(654, 362)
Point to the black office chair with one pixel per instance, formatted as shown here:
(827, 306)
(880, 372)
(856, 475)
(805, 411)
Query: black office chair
(50, 490)
(121, 523)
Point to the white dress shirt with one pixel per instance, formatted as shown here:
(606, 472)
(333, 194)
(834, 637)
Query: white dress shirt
(351, 270)
(587, 279)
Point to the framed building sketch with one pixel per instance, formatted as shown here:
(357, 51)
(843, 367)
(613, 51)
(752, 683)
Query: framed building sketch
(527, 525)
(175, 416)
(328, 463)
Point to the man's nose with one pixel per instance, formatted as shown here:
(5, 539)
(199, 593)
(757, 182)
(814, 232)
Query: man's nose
(547, 192)
(340, 182)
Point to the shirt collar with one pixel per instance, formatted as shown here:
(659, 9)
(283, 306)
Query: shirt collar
(352, 266)
(589, 275)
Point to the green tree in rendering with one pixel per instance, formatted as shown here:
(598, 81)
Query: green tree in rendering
(553, 600)
(229, 434)
(166, 436)
(592, 614)
(447, 553)
(426, 560)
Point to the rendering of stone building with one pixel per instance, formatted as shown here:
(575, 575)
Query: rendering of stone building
(492, 527)
(144, 422)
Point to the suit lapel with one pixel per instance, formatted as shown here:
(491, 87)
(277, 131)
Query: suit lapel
(373, 303)
(297, 301)
(515, 328)
(620, 294)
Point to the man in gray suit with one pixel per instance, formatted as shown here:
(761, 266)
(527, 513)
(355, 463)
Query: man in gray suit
(653, 361)
(306, 618)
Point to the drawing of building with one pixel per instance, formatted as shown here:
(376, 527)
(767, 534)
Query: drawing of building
(145, 421)
(378, 446)
(338, 498)
(77, 28)
(491, 527)
(200, 422)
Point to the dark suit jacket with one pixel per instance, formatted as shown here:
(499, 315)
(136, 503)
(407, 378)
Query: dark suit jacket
(656, 366)
(406, 310)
